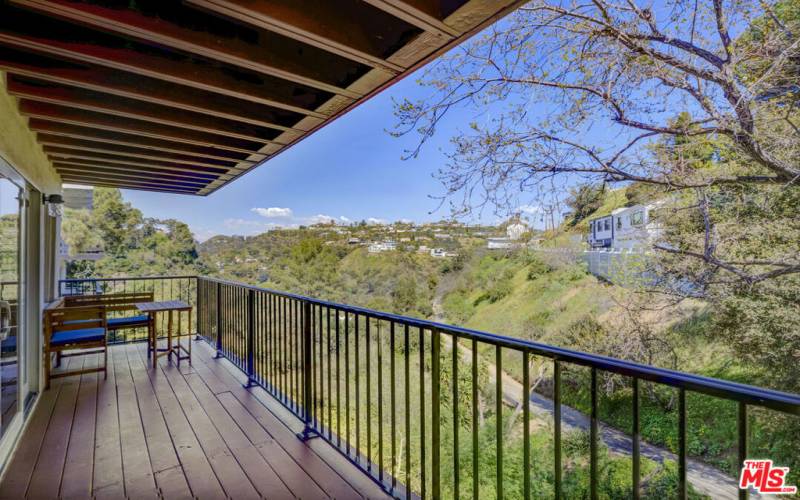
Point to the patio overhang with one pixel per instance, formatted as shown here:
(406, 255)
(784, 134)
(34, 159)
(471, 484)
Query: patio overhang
(185, 96)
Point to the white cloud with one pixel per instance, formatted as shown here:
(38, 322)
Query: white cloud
(530, 209)
(273, 212)
(344, 220)
(321, 219)
(373, 221)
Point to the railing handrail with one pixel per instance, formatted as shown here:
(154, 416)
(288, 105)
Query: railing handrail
(752, 395)
(127, 278)
(735, 391)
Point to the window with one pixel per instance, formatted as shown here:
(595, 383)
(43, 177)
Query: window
(607, 225)
(637, 218)
(619, 222)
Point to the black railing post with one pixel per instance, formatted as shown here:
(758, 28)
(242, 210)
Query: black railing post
(251, 337)
(308, 396)
(219, 319)
(436, 379)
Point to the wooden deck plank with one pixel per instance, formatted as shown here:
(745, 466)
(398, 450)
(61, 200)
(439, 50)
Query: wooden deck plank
(300, 483)
(192, 432)
(233, 479)
(46, 477)
(108, 476)
(328, 479)
(202, 480)
(79, 466)
(261, 474)
(159, 443)
(18, 473)
(138, 473)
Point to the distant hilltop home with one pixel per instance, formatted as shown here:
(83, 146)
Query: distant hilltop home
(514, 233)
(384, 246)
(626, 228)
(516, 230)
(441, 253)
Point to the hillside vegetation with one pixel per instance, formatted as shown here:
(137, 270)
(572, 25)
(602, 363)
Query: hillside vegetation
(541, 296)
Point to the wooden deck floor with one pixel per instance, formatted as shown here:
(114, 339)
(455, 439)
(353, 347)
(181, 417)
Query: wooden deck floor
(193, 432)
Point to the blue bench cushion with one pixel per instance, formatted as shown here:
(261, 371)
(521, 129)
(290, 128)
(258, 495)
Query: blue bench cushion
(126, 321)
(82, 335)
(9, 344)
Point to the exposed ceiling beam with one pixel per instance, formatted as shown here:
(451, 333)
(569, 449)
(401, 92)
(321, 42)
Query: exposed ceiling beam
(140, 186)
(146, 89)
(130, 108)
(80, 145)
(418, 13)
(129, 176)
(143, 171)
(59, 152)
(312, 24)
(95, 162)
(273, 55)
(184, 71)
(89, 165)
(127, 125)
(123, 139)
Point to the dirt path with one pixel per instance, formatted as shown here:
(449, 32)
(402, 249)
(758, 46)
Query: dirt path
(704, 478)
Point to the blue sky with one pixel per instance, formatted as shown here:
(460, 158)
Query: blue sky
(351, 168)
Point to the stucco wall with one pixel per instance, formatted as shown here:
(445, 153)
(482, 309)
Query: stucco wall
(18, 145)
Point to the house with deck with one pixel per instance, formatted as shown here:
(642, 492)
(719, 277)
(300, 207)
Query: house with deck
(193, 387)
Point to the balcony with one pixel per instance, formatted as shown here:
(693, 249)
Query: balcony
(290, 396)
(185, 432)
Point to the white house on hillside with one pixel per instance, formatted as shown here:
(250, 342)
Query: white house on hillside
(515, 230)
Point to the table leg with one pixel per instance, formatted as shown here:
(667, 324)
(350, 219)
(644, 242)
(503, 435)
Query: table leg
(155, 343)
(178, 340)
(169, 337)
(190, 340)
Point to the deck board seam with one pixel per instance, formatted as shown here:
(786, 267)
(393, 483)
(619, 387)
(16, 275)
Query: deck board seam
(231, 370)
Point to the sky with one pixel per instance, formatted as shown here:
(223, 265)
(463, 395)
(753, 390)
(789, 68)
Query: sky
(350, 170)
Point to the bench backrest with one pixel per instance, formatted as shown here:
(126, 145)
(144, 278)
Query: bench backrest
(73, 318)
(113, 302)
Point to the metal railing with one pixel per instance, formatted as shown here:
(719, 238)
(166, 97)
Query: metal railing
(163, 288)
(385, 389)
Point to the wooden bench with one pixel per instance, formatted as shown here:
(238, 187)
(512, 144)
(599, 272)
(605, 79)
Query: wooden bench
(74, 328)
(115, 304)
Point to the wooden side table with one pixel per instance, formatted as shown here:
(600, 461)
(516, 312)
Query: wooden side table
(170, 307)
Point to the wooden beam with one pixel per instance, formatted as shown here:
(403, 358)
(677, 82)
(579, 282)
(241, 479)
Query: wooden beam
(419, 13)
(140, 186)
(126, 177)
(272, 55)
(131, 126)
(79, 145)
(56, 151)
(93, 162)
(123, 139)
(140, 171)
(146, 89)
(319, 25)
(262, 89)
(130, 108)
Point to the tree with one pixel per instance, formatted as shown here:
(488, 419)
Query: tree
(117, 221)
(584, 200)
(611, 79)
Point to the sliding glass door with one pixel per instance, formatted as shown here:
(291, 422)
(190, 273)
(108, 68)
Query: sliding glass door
(12, 300)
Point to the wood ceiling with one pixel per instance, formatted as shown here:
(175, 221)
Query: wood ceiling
(185, 96)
